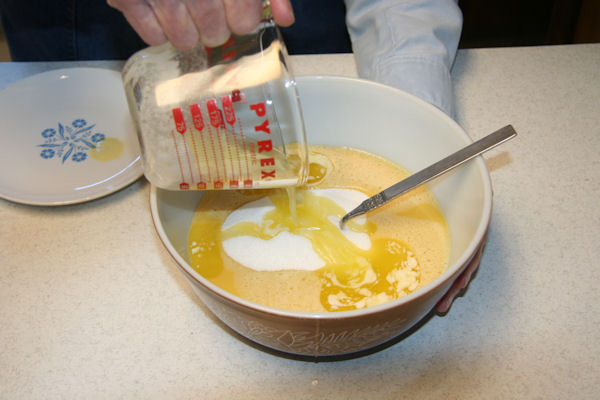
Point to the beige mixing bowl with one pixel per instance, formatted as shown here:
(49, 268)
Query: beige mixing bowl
(383, 121)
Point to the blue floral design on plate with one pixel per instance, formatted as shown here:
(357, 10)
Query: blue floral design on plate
(70, 142)
(98, 137)
(79, 156)
(47, 153)
(48, 133)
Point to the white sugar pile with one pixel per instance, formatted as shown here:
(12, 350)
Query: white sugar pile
(287, 251)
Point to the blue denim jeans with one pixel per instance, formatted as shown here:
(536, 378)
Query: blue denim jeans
(62, 30)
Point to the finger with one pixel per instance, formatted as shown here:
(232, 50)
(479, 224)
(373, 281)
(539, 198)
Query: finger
(459, 284)
(210, 21)
(243, 16)
(282, 11)
(142, 19)
(176, 22)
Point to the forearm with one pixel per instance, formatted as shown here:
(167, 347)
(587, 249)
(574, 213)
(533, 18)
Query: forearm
(409, 44)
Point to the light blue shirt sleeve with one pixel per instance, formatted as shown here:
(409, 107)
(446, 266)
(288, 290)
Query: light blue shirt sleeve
(408, 44)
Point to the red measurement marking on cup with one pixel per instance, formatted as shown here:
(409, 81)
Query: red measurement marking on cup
(242, 139)
(197, 116)
(183, 182)
(198, 123)
(252, 147)
(216, 120)
(227, 135)
(228, 109)
(180, 128)
(231, 141)
(179, 120)
(214, 157)
(180, 125)
(214, 113)
(189, 161)
(237, 96)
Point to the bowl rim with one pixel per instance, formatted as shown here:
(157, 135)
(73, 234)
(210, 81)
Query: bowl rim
(476, 242)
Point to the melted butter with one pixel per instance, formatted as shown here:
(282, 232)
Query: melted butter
(429, 212)
(317, 170)
(108, 149)
(352, 278)
(291, 194)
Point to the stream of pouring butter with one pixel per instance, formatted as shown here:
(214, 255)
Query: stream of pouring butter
(291, 192)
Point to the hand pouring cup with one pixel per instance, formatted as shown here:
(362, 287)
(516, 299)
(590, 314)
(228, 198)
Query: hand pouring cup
(218, 118)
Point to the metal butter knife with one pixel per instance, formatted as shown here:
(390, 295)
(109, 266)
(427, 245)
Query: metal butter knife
(425, 175)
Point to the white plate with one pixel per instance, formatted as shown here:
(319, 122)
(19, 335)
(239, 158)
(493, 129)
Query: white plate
(66, 136)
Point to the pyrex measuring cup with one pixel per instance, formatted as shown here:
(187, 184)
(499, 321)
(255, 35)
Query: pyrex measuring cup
(218, 118)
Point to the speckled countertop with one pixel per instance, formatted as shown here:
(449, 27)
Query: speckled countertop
(91, 305)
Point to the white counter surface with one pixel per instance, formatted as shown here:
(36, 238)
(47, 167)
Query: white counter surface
(92, 306)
